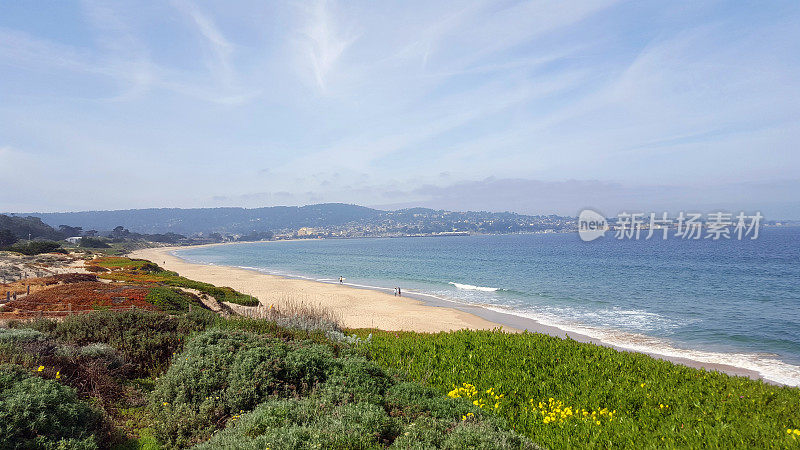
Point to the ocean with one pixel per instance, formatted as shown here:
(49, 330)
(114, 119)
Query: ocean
(727, 301)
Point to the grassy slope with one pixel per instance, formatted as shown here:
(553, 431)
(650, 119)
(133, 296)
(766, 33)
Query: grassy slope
(652, 403)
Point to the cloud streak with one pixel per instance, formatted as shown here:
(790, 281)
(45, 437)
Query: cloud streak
(220, 48)
(323, 42)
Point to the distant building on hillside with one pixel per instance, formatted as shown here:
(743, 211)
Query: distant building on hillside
(306, 231)
(73, 239)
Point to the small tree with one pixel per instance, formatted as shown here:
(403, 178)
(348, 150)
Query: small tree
(70, 231)
(36, 247)
(7, 238)
(90, 242)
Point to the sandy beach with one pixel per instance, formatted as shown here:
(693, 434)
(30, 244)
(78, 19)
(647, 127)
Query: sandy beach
(355, 308)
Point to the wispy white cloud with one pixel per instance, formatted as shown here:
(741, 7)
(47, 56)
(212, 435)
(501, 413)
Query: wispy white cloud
(122, 57)
(322, 40)
(219, 47)
(126, 58)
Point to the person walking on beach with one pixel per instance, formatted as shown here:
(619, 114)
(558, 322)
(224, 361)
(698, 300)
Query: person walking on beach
(341, 280)
(399, 293)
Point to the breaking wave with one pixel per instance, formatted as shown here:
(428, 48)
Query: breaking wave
(470, 287)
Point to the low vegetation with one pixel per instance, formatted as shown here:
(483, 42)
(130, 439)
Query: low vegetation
(268, 393)
(92, 242)
(565, 394)
(15, 267)
(146, 379)
(79, 297)
(145, 340)
(36, 247)
(142, 271)
(40, 413)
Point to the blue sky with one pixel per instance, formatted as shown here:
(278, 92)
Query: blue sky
(526, 106)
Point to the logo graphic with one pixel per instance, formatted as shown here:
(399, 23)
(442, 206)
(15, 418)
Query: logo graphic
(591, 225)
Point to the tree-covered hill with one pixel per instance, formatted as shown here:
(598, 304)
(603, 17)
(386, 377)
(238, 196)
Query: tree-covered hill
(233, 220)
(13, 228)
(328, 219)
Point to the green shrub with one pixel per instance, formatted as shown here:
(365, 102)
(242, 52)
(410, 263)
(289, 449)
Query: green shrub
(354, 380)
(91, 242)
(278, 423)
(19, 335)
(429, 433)
(357, 425)
(36, 247)
(482, 436)
(221, 373)
(94, 373)
(270, 328)
(277, 394)
(43, 414)
(172, 300)
(305, 424)
(146, 340)
(97, 350)
(301, 424)
(307, 366)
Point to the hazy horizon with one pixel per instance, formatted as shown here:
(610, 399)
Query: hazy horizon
(531, 107)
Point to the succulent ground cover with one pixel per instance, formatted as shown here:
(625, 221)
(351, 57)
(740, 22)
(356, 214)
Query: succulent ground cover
(142, 271)
(114, 283)
(566, 394)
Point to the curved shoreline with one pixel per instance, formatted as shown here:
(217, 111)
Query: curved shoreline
(355, 307)
(369, 307)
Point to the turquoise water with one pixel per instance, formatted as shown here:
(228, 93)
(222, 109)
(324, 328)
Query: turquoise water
(728, 301)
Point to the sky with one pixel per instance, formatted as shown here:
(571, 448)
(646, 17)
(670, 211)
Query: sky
(527, 106)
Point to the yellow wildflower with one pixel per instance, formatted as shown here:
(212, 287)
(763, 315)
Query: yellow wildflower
(41, 368)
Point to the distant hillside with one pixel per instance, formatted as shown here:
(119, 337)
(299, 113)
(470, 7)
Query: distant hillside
(228, 220)
(323, 220)
(15, 228)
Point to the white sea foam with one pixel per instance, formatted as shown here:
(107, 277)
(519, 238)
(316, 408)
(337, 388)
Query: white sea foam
(470, 287)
